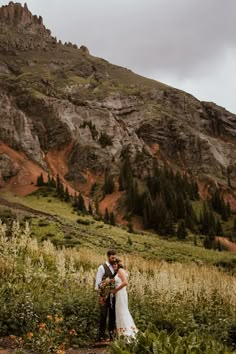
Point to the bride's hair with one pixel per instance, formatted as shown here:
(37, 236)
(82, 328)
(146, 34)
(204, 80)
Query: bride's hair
(119, 263)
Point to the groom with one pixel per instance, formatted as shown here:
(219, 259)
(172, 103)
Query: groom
(107, 307)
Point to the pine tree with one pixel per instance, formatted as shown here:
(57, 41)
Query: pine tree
(109, 185)
(60, 188)
(80, 203)
(182, 232)
(90, 209)
(219, 230)
(49, 180)
(112, 219)
(130, 227)
(40, 181)
(106, 218)
(234, 227)
(66, 195)
(228, 209)
(208, 242)
(224, 212)
(120, 181)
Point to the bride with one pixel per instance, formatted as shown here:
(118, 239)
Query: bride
(124, 322)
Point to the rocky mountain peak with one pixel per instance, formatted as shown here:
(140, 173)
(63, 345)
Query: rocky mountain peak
(18, 17)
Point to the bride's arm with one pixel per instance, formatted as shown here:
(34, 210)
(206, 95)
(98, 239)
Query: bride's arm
(122, 275)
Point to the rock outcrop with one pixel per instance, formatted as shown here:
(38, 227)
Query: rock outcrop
(23, 31)
(66, 99)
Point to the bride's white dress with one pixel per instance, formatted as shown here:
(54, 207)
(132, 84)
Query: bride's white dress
(124, 322)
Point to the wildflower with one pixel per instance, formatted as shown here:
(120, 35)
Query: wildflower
(72, 332)
(58, 319)
(49, 317)
(62, 346)
(42, 326)
(30, 335)
(59, 351)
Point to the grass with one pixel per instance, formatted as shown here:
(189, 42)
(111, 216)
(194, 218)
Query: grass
(176, 297)
(64, 226)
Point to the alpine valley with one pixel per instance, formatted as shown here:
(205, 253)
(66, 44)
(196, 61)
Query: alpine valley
(107, 133)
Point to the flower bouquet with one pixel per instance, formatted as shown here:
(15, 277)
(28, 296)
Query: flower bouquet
(105, 287)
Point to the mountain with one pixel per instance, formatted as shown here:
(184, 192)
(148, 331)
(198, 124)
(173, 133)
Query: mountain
(66, 112)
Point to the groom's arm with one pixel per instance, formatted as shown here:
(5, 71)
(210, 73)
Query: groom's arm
(99, 276)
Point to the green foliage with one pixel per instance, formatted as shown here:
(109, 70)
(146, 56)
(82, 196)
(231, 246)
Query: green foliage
(48, 336)
(37, 281)
(40, 181)
(182, 232)
(112, 219)
(79, 203)
(163, 201)
(218, 204)
(159, 342)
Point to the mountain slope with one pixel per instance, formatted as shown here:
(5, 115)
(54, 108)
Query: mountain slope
(58, 100)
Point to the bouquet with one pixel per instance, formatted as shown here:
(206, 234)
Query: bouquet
(105, 287)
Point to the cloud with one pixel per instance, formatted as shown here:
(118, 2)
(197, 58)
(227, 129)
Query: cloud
(167, 35)
(184, 40)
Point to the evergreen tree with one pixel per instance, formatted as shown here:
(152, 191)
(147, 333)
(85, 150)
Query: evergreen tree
(208, 223)
(40, 181)
(120, 181)
(106, 218)
(208, 242)
(130, 227)
(182, 232)
(51, 182)
(126, 175)
(60, 188)
(90, 209)
(109, 185)
(228, 209)
(67, 195)
(234, 226)
(219, 230)
(224, 212)
(180, 206)
(112, 219)
(80, 203)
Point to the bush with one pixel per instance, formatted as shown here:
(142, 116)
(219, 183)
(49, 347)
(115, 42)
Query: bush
(159, 342)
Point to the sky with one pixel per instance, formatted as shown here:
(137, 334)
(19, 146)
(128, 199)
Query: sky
(187, 44)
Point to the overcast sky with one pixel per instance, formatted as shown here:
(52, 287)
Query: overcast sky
(188, 44)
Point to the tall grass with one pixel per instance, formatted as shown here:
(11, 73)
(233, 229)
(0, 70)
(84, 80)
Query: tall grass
(38, 279)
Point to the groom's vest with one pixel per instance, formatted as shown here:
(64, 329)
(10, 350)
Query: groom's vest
(108, 272)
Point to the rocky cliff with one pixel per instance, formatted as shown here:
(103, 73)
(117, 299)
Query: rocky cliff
(57, 99)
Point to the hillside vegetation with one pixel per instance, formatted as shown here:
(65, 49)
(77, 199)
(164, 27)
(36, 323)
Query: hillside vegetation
(48, 298)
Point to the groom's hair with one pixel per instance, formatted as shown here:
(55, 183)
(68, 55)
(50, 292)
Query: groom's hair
(111, 253)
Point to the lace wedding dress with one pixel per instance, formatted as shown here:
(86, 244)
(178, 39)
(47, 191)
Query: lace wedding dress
(124, 322)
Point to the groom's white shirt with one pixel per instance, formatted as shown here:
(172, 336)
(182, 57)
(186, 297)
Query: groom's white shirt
(101, 272)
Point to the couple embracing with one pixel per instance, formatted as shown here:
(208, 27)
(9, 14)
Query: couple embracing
(111, 282)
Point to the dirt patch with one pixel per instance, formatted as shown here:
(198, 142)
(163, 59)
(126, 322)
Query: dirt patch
(231, 246)
(110, 202)
(24, 182)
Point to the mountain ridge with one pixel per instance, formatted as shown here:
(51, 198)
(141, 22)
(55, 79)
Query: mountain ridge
(59, 99)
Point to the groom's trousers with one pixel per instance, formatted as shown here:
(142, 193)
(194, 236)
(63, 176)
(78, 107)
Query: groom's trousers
(107, 309)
